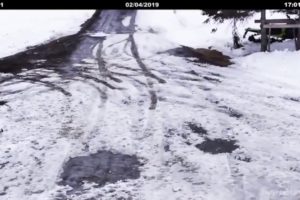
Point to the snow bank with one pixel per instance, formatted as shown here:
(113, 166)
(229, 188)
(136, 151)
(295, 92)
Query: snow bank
(177, 26)
(23, 28)
(281, 66)
(188, 27)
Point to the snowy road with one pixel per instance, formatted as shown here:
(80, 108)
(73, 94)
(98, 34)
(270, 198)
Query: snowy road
(200, 132)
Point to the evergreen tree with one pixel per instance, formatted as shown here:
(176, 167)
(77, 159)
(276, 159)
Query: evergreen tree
(234, 15)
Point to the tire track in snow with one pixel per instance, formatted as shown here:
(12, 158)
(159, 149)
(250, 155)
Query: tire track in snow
(147, 73)
(153, 95)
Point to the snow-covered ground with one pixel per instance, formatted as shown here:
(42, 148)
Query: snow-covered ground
(188, 28)
(23, 28)
(255, 101)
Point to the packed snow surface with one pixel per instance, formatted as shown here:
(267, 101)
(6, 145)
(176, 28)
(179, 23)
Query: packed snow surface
(254, 102)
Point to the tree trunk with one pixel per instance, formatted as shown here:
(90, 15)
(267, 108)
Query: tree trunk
(236, 38)
(264, 38)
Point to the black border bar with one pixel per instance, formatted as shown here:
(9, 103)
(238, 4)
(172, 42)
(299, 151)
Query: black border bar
(150, 4)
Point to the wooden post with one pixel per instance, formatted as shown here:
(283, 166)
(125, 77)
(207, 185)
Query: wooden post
(269, 40)
(298, 34)
(264, 39)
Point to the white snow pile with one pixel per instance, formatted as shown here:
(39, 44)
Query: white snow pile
(126, 21)
(281, 66)
(23, 28)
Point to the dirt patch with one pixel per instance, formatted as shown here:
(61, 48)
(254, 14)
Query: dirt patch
(212, 57)
(3, 103)
(217, 146)
(100, 168)
(196, 128)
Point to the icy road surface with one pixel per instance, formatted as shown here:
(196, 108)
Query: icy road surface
(200, 132)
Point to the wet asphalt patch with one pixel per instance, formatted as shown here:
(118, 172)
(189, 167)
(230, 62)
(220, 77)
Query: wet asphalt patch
(100, 168)
(216, 146)
(197, 128)
(54, 53)
(3, 103)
